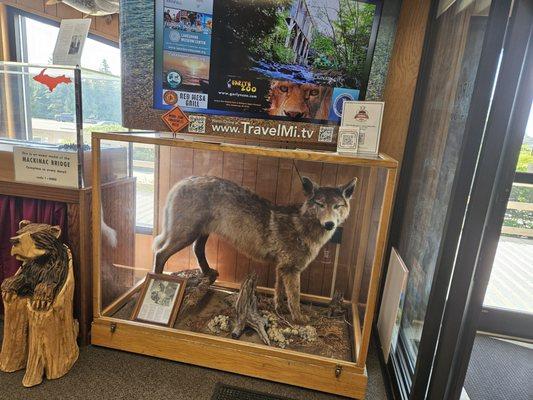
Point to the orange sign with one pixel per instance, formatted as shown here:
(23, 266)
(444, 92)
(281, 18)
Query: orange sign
(170, 97)
(175, 119)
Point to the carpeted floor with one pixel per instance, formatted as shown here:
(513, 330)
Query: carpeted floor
(499, 370)
(108, 374)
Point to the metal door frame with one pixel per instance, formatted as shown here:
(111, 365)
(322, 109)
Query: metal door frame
(490, 191)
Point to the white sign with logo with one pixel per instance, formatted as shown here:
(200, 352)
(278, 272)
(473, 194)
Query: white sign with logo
(46, 167)
(365, 116)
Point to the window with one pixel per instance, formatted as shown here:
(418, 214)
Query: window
(36, 40)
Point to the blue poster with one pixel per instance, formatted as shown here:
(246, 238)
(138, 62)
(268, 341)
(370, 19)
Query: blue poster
(275, 59)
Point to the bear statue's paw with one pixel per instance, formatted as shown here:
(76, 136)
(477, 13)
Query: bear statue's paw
(8, 285)
(43, 297)
(40, 305)
(8, 296)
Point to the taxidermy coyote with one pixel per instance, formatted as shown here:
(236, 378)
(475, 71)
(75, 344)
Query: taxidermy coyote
(288, 236)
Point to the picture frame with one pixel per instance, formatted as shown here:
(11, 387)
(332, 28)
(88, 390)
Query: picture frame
(392, 302)
(160, 299)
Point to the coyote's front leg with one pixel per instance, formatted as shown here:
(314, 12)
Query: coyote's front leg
(278, 294)
(291, 280)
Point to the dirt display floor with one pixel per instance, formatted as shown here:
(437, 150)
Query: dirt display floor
(322, 335)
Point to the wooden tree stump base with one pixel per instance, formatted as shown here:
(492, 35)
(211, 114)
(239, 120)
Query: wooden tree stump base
(15, 343)
(43, 341)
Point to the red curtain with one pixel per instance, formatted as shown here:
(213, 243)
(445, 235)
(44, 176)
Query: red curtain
(15, 209)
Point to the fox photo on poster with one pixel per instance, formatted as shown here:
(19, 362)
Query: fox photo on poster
(294, 60)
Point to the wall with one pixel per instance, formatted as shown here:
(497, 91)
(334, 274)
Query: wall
(106, 26)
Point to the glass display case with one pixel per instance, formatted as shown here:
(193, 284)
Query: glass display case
(186, 315)
(55, 108)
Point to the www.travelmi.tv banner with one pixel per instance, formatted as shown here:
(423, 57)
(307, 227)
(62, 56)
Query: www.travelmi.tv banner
(261, 129)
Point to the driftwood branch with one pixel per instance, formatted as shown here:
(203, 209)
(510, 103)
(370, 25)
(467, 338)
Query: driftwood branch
(247, 313)
(197, 287)
(335, 307)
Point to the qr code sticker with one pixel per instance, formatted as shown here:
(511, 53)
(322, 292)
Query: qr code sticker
(348, 140)
(325, 134)
(196, 124)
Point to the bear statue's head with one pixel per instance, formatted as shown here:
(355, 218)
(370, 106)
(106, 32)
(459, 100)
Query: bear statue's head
(34, 240)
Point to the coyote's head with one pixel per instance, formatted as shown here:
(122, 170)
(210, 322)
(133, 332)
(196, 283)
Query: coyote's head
(330, 205)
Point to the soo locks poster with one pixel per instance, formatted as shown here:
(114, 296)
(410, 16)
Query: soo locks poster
(294, 60)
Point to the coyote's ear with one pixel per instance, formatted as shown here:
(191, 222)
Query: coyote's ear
(348, 189)
(309, 186)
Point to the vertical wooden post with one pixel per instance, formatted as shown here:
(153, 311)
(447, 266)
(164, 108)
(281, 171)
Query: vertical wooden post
(97, 219)
(379, 253)
(365, 232)
(4, 38)
(399, 92)
(5, 55)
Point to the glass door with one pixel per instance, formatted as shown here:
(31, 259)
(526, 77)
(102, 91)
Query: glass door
(477, 212)
(508, 303)
(454, 92)
(505, 329)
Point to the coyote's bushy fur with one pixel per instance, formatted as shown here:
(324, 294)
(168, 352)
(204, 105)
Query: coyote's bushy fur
(288, 236)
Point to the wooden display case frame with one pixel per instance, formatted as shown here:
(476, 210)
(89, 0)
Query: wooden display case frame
(285, 366)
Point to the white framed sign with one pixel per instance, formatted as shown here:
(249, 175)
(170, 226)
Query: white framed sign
(46, 167)
(367, 117)
(392, 302)
(70, 41)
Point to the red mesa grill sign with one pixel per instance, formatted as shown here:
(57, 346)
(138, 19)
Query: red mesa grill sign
(175, 119)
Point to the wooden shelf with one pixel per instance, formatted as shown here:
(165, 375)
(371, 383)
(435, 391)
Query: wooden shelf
(217, 144)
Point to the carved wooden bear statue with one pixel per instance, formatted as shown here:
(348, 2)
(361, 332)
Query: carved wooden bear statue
(39, 329)
(44, 265)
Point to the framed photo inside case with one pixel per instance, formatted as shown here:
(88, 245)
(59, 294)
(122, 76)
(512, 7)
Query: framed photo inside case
(160, 299)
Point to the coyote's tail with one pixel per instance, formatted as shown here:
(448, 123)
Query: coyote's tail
(108, 233)
(158, 241)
